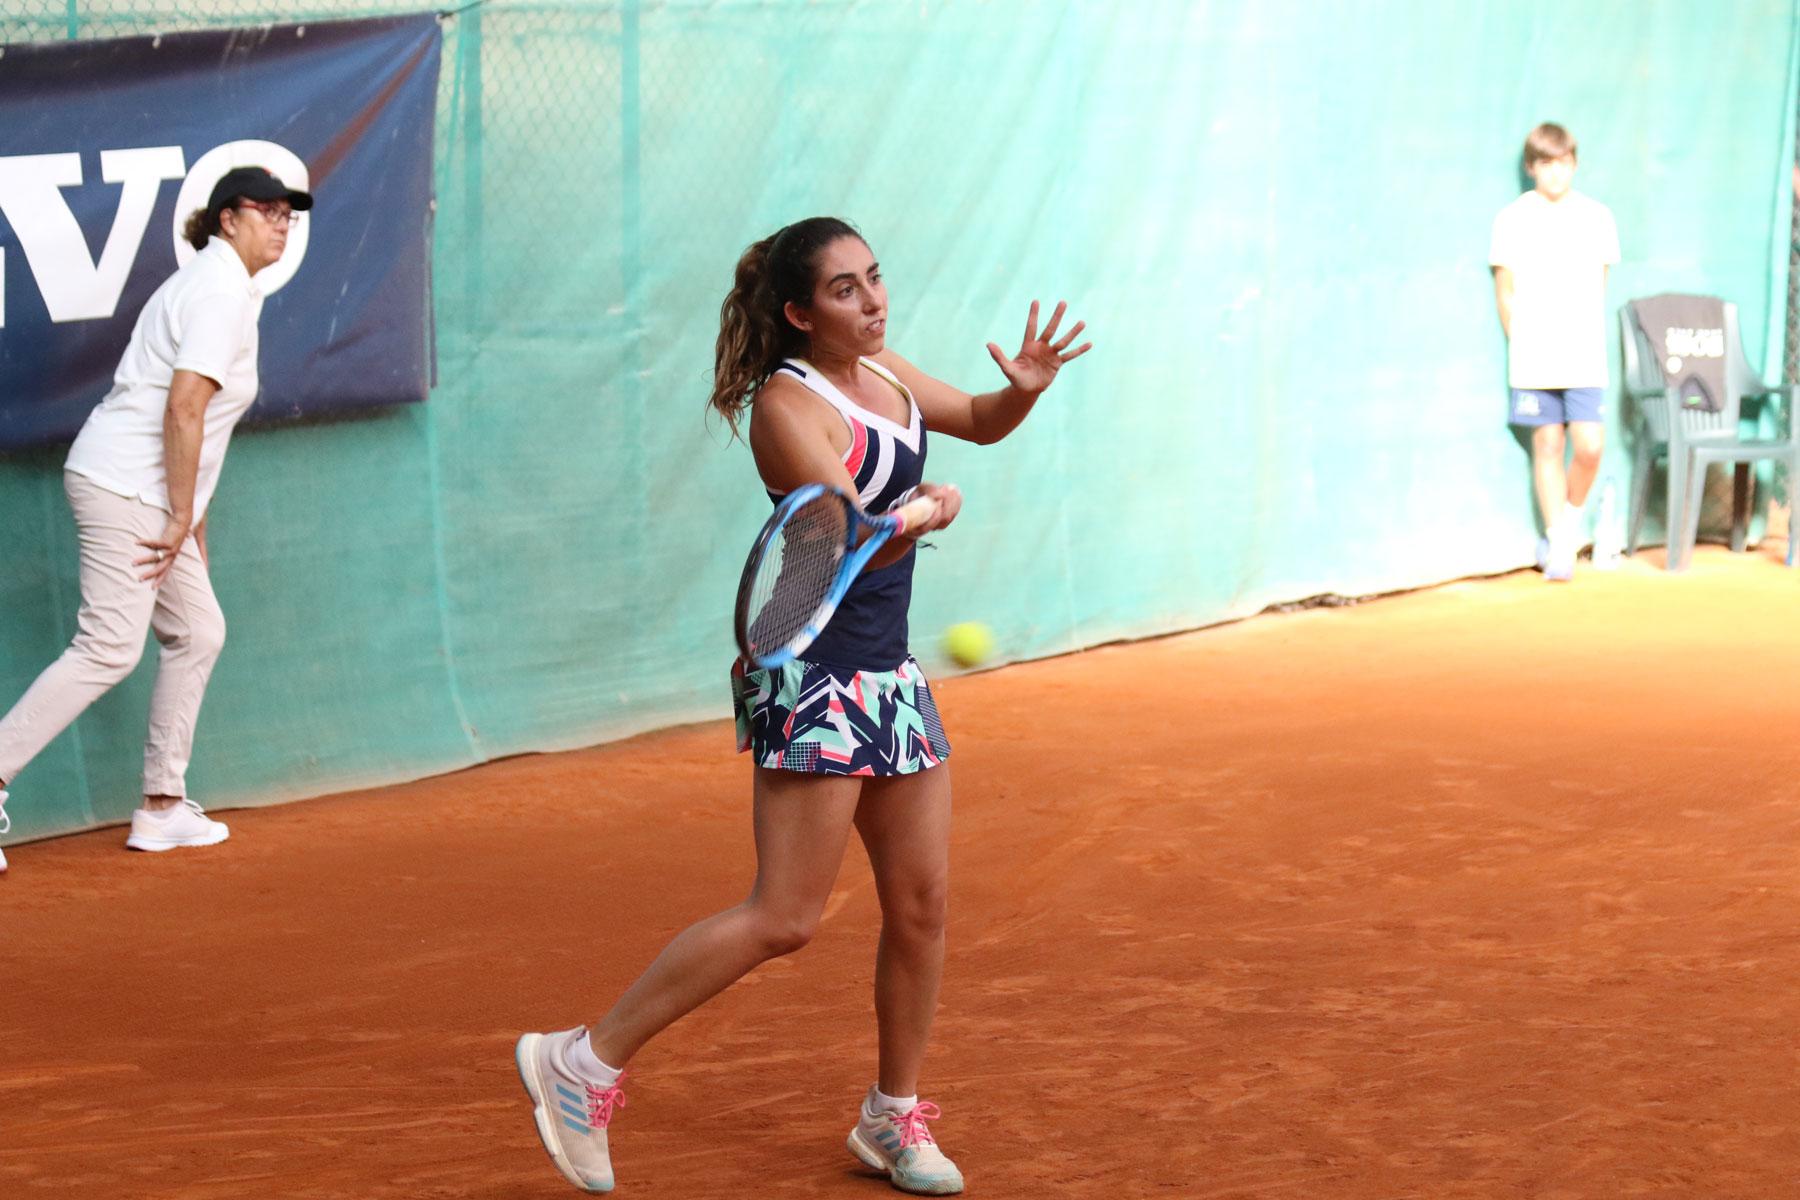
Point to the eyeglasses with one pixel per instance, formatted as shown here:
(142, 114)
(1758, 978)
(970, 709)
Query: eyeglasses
(273, 214)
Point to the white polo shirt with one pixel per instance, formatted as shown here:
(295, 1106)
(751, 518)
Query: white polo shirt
(1557, 251)
(202, 319)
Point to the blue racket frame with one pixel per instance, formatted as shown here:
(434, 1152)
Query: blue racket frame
(881, 529)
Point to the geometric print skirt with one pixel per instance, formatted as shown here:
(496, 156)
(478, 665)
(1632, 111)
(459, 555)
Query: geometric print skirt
(829, 720)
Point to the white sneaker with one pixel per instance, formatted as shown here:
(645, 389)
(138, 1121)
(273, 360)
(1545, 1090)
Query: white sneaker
(186, 824)
(5, 827)
(571, 1113)
(900, 1145)
(1559, 563)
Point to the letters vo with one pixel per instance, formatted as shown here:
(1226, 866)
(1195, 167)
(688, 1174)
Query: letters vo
(77, 288)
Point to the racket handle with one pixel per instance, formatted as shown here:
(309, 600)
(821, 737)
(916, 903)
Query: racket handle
(915, 512)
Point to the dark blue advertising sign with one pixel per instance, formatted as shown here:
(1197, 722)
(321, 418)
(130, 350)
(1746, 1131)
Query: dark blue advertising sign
(107, 146)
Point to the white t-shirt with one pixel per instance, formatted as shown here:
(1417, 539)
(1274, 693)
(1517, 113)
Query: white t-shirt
(202, 319)
(1557, 251)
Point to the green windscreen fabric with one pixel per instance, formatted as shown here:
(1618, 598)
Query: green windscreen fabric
(1273, 214)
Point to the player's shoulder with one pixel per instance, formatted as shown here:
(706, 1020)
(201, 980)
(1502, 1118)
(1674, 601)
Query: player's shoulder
(782, 391)
(783, 402)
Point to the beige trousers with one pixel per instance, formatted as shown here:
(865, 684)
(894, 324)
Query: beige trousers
(117, 608)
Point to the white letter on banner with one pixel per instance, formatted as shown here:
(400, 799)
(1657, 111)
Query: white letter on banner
(250, 152)
(74, 288)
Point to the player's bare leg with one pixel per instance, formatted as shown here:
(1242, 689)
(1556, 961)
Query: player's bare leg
(904, 821)
(905, 824)
(802, 823)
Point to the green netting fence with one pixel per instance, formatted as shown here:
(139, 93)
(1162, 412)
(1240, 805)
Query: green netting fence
(1273, 213)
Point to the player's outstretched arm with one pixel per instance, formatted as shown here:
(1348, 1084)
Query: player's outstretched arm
(992, 415)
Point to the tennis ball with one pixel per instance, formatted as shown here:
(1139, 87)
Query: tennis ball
(968, 643)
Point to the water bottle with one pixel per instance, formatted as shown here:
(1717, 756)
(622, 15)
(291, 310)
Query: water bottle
(1607, 548)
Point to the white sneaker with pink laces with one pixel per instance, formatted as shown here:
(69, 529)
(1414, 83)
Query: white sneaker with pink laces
(900, 1144)
(571, 1113)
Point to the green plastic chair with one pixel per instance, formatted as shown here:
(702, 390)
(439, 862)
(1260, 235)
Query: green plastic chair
(1693, 439)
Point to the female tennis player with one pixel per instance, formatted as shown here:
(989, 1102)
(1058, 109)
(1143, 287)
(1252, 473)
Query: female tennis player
(846, 735)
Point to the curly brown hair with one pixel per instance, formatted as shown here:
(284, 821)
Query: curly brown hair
(754, 333)
(201, 224)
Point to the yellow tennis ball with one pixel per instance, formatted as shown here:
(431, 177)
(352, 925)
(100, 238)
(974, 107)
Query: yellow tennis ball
(968, 643)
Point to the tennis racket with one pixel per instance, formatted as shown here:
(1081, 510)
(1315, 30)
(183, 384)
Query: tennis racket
(803, 562)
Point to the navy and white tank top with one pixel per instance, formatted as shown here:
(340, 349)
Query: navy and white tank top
(868, 632)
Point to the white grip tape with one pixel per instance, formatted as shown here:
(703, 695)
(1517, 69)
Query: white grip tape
(912, 509)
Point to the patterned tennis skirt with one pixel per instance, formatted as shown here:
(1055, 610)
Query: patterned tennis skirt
(838, 721)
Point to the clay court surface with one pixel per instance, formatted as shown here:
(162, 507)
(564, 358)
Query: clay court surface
(1484, 891)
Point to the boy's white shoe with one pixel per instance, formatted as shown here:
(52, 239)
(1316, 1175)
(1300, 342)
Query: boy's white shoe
(899, 1144)
(1566, 541)
(185, 824)
(1559, 567)
(1565, 544)
(5, 826)
(571, 1113)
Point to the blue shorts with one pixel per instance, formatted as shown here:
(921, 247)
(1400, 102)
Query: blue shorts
(1557, 406)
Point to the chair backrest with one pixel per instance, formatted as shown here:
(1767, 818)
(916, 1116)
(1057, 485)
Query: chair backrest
(1740, 376)
(1642, 374)
(1642, 360)
(1746, 379)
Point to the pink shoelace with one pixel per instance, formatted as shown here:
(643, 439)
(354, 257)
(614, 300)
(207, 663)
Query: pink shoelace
(912, 1124)
(602, 1102)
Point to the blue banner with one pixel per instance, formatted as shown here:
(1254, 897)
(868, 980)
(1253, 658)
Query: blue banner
(107, 146)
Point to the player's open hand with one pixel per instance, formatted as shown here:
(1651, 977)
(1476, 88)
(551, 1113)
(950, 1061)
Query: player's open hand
(1042, 355)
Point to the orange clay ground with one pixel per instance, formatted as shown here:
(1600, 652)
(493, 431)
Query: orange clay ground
(1489, 890)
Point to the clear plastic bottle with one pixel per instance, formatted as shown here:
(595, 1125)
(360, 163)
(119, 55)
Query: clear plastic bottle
(1608, 550)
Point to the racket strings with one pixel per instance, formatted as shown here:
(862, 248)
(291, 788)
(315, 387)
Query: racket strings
(798, 569)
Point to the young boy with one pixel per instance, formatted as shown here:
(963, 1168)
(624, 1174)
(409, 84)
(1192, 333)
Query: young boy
(1550, 251)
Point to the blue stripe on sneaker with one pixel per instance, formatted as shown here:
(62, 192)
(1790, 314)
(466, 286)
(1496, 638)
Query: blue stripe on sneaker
(567, 1094)
(580, 1114)
(577, 1126)
(888, 1139)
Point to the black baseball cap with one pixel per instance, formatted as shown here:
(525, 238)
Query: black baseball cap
(254, 183)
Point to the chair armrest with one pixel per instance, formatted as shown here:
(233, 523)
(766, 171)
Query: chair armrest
(1790, 403)
(1757, 390)
(1788, 395)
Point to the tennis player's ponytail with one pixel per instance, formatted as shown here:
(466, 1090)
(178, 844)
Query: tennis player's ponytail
(754, 332)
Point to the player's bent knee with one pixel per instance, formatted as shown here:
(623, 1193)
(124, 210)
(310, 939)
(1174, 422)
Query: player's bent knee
(778, 934)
